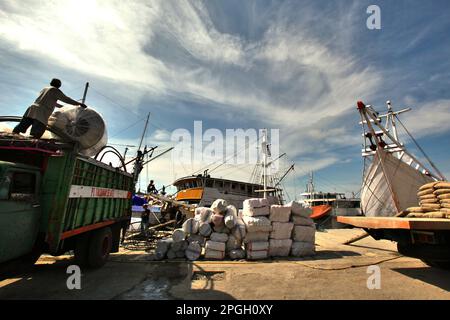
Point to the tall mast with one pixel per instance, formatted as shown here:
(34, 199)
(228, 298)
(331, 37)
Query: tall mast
(264, 146)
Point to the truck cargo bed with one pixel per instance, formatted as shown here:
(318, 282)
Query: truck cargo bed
(396, 223)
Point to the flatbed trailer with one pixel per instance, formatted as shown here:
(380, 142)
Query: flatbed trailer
(427, 239)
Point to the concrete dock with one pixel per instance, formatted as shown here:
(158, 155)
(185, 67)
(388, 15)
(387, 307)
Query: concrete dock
(337, 272)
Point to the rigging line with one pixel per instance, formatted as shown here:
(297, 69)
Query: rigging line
(208, 165)
(420, 148)
(116, 103)
(234, 155)
(119, 132)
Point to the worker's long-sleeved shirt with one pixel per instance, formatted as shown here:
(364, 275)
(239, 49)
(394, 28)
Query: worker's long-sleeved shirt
(44, 105)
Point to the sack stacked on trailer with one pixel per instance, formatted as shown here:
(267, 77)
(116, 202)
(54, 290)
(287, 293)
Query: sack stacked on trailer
(432, 201)
(258, 228)
(442, 192)
(280, 237)
(304, 231)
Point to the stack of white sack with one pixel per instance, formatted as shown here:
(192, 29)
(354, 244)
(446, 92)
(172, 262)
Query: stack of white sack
(304, 232)
(258, 228)
(280, 237)
(214, 232)
(168, 248)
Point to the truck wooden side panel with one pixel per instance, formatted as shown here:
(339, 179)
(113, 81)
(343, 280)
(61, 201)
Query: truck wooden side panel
(82, 194)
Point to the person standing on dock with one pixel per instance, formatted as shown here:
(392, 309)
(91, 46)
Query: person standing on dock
(38, 113)
(145, 219)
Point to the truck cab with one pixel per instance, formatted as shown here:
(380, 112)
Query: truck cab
(20, 212)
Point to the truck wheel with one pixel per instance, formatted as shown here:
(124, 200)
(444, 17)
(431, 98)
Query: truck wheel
(441, 264)
(99, 247)
(81, 250)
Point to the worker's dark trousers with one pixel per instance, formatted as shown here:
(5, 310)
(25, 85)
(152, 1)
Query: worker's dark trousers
(37, 129)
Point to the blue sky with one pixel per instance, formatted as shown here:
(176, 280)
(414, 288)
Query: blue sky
(299, 66)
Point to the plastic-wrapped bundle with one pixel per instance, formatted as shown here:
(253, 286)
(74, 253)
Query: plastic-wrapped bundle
(219, 206)
(193, 251)
(237, 254)
(255, 224)
(233, 243)
(230, 217)
(219, 237)
(281, 230)
(280, 248)
(203, 214)
(205, 229)
(256, 207)
(239, 230)
(214, 254)
(84, 126)
(190, 226)
(214, 245)
(301, 249)
(196, 238)
(304, 234)
(302, 221)
(279, 213)
(162, 247)
(257, 255)
(178, 235)
(257, 236)
(298, 210)
(257, 246)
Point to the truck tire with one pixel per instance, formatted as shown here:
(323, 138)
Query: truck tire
(81, 250)
(100, 245)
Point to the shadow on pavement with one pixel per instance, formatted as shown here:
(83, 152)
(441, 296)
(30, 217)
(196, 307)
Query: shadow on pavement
(437, 277)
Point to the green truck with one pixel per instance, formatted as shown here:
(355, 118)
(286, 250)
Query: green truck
(54, 200)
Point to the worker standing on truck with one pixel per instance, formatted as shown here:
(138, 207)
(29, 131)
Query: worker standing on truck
(145, 219)
(38, 113)
(151, 187)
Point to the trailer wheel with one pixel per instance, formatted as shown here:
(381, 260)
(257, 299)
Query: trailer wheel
(441, 264)
(100, 246)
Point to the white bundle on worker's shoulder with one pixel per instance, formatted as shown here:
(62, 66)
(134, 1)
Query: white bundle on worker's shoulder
(84, 126)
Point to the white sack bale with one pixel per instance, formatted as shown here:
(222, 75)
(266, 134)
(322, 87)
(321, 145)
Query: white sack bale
(255, 224)
(214, 245)
(298, 210)
(256, 236)
(214, 254)
(236, 254)
(203, 214)
(193, 251)
(217, 220)
(196, 238)
(239, 230)
(281, 230)
(302, 249)
(302, 221)
(280, 248)
(190, 226)
(279, 213)
(178, 235)
(257, 246)
(221, 229)
(179, 246)
(162, 246)
(171, 254)
(254, 212)
(180, 254)
(257, 255)
(230, 217)
(304, 234)
(255, 203)
(219, 206)
(219, 237)
(233, 243)
(205, 229)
